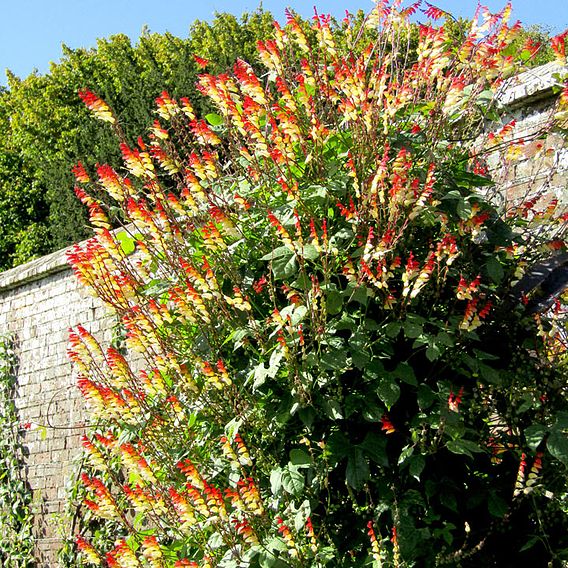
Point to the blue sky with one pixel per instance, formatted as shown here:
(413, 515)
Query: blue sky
(32, 31)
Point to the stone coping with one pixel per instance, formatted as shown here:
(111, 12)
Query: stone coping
(34, 270)
(41, 267)
(530, 86)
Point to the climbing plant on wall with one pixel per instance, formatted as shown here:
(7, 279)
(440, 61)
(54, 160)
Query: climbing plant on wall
(15, 495)
(329, 366)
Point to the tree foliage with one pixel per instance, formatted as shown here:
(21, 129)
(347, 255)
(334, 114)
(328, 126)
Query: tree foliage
(46, 129)
(324, 364)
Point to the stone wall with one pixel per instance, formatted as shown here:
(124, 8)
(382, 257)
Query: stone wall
(541, 166)
(41, 300)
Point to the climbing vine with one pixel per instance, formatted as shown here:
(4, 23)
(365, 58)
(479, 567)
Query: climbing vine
(327, 365)
(15, 496)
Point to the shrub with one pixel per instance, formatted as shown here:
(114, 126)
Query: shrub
(325, 365)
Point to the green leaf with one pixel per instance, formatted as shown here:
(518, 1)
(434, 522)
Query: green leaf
(214, 119)
(345, 322)
(388, 391)
(484, 356)
(425, 396)
(357, 472)
(371, 324)
(311, 89)
(469, 179)
(530, 543)
(292, 480)
(529, 401)
(525, 55)
(284, 267)
(464, 447)
(127, 243)
(333, 409)
(421, 341)
(448, 499)
(337, 447)
(534, 435)
(485, 96)
(360, 358)
(267, 560)
(358, 294)
(557, 445)
(444, 339)
(405, 373)
(300, 458)
(325, 555)
(412, 330)
(315, 195)
(296, 313)
(494, 270)
(304, 511)
(274, 363)
(471, 362)
(276, 480)
(215, 541)
(433, 352)
(260, 374)
(334, 361)
(307, 415)
(237, 337)
(561, 422)
(303, 282)
(352, 404)
(156, 287)
(375, 446)
(372, 412)
(499, 233)
(445, 533)
(464, 209)
(490, 374)
(497, 506)
(333, 302)
(276, 545)
(309, 252)
(405, 454)
(392, 329)
(416, 466)
(454, 194)
(278, 252)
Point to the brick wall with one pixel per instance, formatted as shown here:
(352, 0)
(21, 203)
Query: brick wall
(38, 303)
(529, 101)
(41, 300)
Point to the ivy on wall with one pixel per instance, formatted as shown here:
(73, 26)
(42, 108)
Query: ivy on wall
(16, 519)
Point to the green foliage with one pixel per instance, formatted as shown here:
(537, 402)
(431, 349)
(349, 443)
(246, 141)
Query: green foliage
(20, 203)
(227, 39)
(46, 130)
(532, 44)
(16, 520)
(539, 36)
